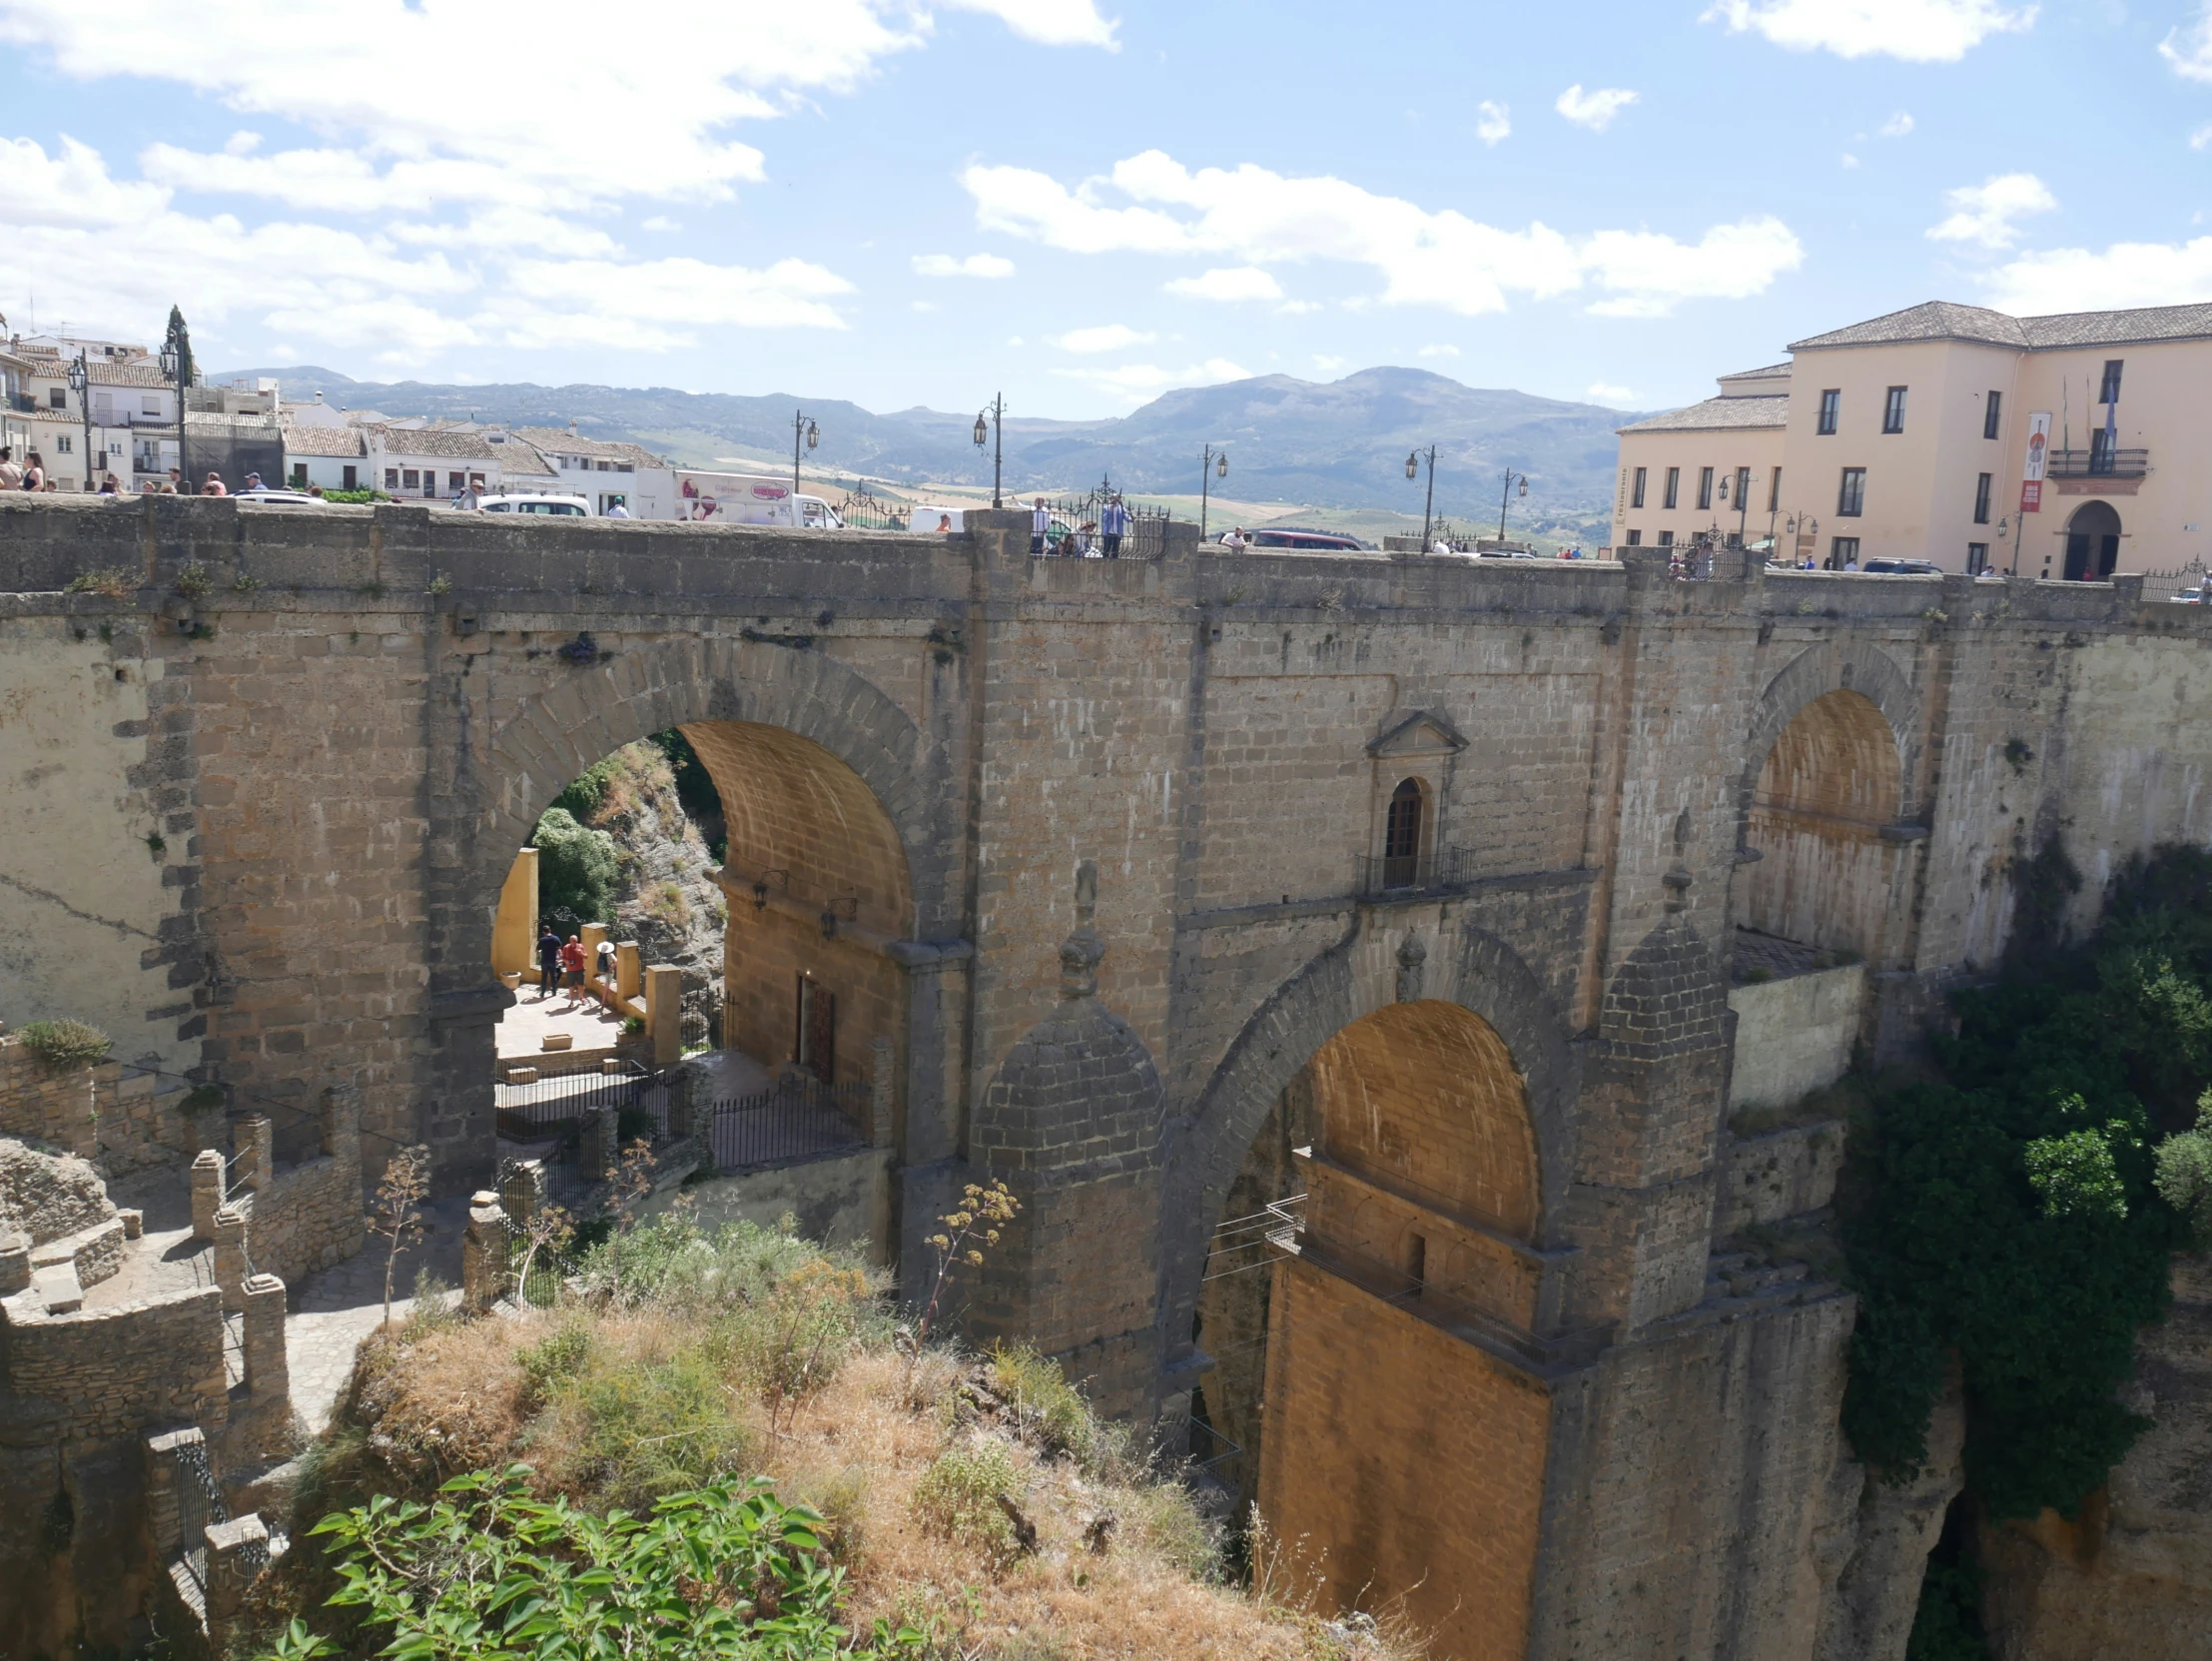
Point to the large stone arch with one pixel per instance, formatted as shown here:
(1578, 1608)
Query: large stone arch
(1832, 666)
(590, 712)
(1362, 973)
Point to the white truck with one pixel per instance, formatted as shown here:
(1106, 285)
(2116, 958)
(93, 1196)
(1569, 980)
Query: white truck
(749, 498)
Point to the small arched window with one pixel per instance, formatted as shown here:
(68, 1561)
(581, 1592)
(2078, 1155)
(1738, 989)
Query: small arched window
(1402, 837)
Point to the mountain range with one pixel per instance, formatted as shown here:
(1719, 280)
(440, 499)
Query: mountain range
(1335, 444)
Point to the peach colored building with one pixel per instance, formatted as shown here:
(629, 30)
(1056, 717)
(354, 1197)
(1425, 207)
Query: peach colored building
(2065, 447)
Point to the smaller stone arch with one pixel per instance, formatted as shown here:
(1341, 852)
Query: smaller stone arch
(2092, 542)
(1834, 666)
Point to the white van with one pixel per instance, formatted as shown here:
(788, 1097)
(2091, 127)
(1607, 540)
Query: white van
(937, 518)
(749, 498)
(573, 508)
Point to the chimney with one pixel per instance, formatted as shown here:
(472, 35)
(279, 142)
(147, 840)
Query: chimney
(318, 396)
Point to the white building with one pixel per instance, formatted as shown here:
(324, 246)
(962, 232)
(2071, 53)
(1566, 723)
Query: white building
(604, 472)
(429, 462)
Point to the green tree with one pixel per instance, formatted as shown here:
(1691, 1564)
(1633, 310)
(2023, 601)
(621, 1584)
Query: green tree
(180, 338)
(577, 868)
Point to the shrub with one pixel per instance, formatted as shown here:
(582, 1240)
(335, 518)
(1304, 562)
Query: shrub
(2184, 1177)
(114, 584)
(577, 867)
(957, 1499)
(65, 1044)
(1048, 1410)
(628, 1433)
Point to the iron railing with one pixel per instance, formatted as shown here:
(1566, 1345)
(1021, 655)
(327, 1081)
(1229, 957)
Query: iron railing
(199, 1505)
(863, 510)
(1076, 529)
(797, 1119)
(2186, 579)
(1446, 867)
(2097, 462)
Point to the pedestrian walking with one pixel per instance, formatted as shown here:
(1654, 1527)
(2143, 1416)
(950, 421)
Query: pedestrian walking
(606, 966)
(549, 964)
(34, 472)
(1113, 525)
(572, 972)
(1039, 522)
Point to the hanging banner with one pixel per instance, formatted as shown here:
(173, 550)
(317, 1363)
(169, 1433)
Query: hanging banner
(2039, 452)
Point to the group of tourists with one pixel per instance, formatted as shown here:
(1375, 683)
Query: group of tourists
(560, 969)
(32, 474)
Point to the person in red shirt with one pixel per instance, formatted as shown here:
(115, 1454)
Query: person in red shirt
(572, 972)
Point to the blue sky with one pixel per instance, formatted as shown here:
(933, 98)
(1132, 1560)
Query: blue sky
(1081, 201)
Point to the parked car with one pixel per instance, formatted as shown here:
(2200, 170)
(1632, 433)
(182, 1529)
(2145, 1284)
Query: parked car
(1295, 536)
(2188, 596)
(573, 507)
(278, 498)
(1901, 567)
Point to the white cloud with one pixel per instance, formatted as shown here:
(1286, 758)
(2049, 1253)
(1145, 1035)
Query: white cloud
(1897, 126)
(1330, 364)
(1134, 382)
(2124, 275)
(1496, 123)
(1048, 22)
(1444, 258)
(1848, 161)
(1107, 336)
(1987, 213)
(1919, 31)
(1603, 394)
(975, 265)
(1228, 283)
(2188, 48)
(117, 252)
(1436, 350)
(660, 221)
(1594, 110)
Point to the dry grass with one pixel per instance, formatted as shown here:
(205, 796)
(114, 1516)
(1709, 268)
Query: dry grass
(906, 1458)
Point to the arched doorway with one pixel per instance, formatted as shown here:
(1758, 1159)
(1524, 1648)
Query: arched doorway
(1824, 821)
(2092, 542)
(1406, 1441)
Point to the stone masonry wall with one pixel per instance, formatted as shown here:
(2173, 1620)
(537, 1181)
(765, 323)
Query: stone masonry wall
(119, 1369)
(122, 1120)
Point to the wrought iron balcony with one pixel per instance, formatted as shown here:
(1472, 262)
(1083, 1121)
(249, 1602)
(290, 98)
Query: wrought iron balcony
(2097, 462)
(1388, 874)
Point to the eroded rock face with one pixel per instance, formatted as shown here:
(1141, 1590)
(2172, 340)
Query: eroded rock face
(47, 1194)
(1873, 1541)
(2132, 1575)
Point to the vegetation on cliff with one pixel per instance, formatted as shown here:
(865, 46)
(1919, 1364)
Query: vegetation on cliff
(2016, 1208)
(742, 1454)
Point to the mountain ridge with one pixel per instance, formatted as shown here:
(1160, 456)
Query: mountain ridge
(1340, 443)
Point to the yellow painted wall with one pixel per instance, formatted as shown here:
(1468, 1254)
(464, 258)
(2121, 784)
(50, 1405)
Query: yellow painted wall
(514, 931)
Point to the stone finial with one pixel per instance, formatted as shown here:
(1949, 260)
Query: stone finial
(1080, 952)
(1413, 957)
(483, 1254)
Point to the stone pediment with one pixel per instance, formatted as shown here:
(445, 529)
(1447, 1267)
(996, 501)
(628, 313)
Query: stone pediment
(1424, 732)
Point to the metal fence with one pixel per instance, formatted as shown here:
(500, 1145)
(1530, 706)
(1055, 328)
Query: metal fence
(199, 1505)
(865, 511)
(2170, 586)
(550, 1107)
(1076, 527)
(1444, 867)
(797, 1119)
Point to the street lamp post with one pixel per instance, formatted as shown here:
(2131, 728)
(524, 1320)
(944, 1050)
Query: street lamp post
(994, 413)
(1428, 508)
(172, 368)
(2004, 525)
(801, 429)
(1213, 464)
(80, 382)
(1505, 494)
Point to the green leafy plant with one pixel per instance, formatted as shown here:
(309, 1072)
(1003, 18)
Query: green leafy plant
(577, 867)
(114, 584)
(488, 1573)
(196, 582)
(957, 1499)
(357, 497)
(64, 1042)
(441, 583)
(2184, 1175)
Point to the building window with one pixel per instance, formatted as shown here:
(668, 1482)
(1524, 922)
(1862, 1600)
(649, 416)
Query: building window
(1744, 490)
(299, 475)
(1831, 404)
(1704, 487)
(1666, 538)
(1673, 489)
(62, 443)
(1892, 410)
(1774, 492)
(1842, 554)
(150, 405)
(1982, 481)
(1636, 492)
(1402, 837)
(1636, 539)
(1977, 558)
(411, 479)
(2109, 391)
(57, 397)
(1850, 494)
(392, 478)
(457, 482)
(1993, 415)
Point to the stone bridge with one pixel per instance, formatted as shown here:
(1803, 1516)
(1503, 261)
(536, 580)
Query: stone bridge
(1435, 865)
